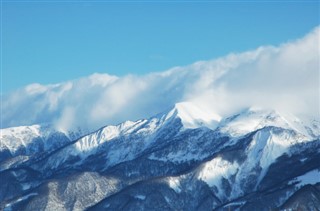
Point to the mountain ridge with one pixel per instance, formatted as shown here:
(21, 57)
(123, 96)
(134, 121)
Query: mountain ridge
(176, 150)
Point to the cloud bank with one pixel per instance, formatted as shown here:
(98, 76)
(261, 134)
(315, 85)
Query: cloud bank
(283, 78)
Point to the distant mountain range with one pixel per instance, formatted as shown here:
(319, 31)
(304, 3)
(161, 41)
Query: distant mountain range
(185, 158)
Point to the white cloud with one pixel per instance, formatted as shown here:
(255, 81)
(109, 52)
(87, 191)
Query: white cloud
(284, 78)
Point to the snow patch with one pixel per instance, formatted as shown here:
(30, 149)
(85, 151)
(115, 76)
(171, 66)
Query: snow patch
(215, 170)
(312, 177)
(174, 183)
(303, 159)
(9, 205)
(236, 203)
(167, 199)
(26, 186)
(141, 197)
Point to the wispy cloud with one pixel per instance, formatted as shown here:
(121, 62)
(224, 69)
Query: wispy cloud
(284, 78)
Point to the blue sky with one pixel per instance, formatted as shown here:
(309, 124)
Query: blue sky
(55, 41)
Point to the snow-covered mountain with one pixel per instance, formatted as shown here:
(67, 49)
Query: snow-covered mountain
(185, 158)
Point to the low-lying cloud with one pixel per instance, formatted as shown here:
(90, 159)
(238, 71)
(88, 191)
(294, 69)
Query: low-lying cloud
(283, 78)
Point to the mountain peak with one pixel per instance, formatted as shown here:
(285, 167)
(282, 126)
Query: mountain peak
(194, 116)
(255, 118)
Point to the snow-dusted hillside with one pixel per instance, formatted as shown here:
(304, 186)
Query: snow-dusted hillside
(18, 144)
(184, 158)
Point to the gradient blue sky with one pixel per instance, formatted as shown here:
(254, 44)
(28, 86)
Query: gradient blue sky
(50, 42)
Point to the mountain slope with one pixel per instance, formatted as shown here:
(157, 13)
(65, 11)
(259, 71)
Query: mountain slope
(19, 144)
(185, 158)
